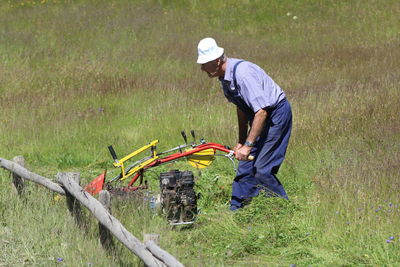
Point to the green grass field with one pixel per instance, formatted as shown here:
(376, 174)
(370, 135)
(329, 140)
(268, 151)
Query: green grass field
(77, 76)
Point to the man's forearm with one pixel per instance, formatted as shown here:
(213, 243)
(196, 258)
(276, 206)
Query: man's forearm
(257, 126)
(243, 125)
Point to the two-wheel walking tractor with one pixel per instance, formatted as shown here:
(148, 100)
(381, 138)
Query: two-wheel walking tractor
(177, 196)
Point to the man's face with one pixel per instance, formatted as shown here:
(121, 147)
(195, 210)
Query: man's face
(212, 68)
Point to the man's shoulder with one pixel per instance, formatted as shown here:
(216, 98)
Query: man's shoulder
(242, 63)
(245, 68)
(231, 64)
(238, 65)
(249, 67)
(240, 68)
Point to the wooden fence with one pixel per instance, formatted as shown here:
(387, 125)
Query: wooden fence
(68, 184)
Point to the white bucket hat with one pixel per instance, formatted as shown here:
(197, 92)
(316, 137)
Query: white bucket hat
(208, 50)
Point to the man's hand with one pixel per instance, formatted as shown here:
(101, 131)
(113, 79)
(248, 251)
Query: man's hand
(237, 147)
(242, 153)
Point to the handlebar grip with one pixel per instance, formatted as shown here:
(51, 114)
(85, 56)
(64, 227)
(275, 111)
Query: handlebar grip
(112, 152)
(250, 157)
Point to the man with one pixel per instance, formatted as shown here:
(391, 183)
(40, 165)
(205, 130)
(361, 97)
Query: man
(262, 105)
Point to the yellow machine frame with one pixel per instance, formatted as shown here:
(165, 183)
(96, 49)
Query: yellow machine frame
(153, 157)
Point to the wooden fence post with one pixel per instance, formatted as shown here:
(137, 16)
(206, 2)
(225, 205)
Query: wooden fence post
(104, 235)
(18, 182)
(73, 205)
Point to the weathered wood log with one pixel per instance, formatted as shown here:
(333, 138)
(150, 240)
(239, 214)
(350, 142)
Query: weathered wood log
(152, 244)
(73, 205)
(24, 173)
(110, 222)
(105, 236)
(161, 254)
(153, 237)
(18, 182)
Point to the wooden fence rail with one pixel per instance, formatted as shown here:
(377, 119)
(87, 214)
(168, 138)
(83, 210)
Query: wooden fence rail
(149, 253)
(24, 173)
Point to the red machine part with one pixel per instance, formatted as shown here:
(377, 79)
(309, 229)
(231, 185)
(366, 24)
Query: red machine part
(178, 155)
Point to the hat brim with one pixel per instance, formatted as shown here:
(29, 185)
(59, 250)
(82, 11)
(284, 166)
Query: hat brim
(207, 58)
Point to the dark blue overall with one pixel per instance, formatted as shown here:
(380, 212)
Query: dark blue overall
(269, 151)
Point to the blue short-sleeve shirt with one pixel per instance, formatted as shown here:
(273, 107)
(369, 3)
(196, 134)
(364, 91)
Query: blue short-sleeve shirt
(256, 88)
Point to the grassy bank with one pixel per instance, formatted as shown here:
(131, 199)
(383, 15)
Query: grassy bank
(76, 76)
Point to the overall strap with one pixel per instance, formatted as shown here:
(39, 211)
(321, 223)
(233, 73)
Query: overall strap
(240, 103)
(234, 74)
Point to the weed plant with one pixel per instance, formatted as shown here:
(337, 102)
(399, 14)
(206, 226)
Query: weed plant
(77, 76)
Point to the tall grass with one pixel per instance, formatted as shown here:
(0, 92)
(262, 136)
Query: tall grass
(76, 76)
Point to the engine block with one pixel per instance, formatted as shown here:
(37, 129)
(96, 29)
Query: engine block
(178, 198)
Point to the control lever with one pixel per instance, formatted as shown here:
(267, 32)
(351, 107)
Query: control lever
(184, 136)
(193, 135)
(113, 154)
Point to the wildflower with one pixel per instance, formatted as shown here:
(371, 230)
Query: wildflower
(288, 14)
(388, 241)
(294, 17)
(60, 259)
(390, 204)
(391, 238)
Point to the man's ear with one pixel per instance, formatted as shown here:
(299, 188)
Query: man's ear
(219, 62)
